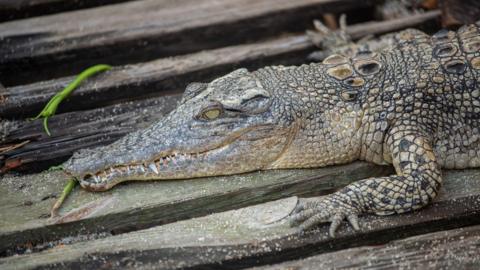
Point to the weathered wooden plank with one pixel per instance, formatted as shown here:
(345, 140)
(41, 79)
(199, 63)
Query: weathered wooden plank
(451, 249)
(157, 77)
(170, 74)
(456, 14)
(143, 30)
(257, 235)
(75, 130)
(3, 92)
(19, 9)
(26, 200)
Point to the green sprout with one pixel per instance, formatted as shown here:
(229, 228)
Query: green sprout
(51, 107)
(66, 191)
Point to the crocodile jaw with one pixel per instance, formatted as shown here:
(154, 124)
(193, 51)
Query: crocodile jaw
(238, 156)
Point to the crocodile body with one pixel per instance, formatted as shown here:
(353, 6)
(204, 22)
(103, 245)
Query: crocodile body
(414, 104)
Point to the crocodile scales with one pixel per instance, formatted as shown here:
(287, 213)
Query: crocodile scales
(414, 104)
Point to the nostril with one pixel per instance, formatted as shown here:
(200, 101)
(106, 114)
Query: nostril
(87, 176)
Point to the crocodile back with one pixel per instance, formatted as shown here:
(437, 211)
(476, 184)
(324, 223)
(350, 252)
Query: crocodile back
(432, 83)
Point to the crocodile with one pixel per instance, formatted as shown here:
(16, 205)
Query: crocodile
(414, 104)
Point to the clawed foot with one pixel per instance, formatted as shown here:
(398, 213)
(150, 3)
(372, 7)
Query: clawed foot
(311, 212)
(328, 39)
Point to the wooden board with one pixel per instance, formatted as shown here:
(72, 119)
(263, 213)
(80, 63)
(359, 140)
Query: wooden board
(143, 30)
(77, 130)
(451, 249)
(157, 77)
(18, 9)
(257, 235)
(26, 202)
(173, 74)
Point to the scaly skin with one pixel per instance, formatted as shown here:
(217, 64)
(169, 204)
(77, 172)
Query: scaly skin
(415, 105)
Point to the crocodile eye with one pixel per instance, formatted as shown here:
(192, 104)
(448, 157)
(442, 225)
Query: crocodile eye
(210, 113)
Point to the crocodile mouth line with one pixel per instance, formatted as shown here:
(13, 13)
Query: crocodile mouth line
(164, 166)
(110, 176)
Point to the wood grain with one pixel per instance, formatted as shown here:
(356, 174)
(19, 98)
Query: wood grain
(158, 77)
(450, 249)
(76, 130)
(259, 235)
(172, 74)
(19, 9)
(26, 202)
(64, 44)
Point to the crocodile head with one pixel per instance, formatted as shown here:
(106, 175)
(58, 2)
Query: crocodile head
(229, 126)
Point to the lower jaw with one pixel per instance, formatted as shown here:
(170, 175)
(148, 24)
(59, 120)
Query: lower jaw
(103, 186)
(108, 184)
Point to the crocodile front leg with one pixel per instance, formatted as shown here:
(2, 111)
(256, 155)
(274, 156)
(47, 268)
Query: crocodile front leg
(417, 182)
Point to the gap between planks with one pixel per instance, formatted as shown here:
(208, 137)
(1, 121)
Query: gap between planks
(136, 205)
(451, 249)
(19, 9)
(170, 74)
(138, 31)
(258, 235)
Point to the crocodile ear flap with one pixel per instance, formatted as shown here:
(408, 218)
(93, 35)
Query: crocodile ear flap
(192, 90)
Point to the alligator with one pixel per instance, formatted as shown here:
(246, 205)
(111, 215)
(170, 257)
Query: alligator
(414, 104)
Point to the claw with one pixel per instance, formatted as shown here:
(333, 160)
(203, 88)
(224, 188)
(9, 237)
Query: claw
(321, 27)
(309, 213)
(343, 22)
(353, 219)
(336, 220)
(327, 39)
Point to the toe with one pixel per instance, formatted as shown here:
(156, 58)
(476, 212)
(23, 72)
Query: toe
(343, 22)
(336, 221)
(300, 217)
(313, 220)
(299, 207)
(320, 27)
(353, 219)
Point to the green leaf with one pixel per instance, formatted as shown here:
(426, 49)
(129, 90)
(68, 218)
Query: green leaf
(51, 107)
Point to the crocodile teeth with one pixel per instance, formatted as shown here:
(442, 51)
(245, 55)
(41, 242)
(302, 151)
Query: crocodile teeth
(153, 167)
